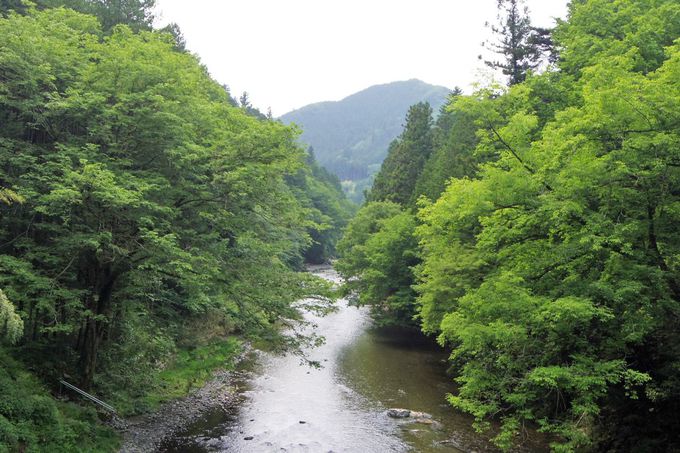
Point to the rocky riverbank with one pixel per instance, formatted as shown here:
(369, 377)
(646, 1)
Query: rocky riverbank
(145, 433)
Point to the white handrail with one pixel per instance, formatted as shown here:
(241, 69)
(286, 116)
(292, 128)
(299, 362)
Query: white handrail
(88, 396)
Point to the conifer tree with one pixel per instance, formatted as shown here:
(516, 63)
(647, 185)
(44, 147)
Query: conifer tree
(406, 157)
(518, 44)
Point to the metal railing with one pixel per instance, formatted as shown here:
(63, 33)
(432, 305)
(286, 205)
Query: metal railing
(94, 399)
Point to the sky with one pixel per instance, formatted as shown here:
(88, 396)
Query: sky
(290, 53)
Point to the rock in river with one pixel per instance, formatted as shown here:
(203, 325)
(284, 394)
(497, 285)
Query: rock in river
(398, 413)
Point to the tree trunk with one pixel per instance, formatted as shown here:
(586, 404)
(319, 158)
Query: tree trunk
(96, 325)
(660, 261)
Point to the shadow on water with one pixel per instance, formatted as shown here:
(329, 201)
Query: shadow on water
(286, 406)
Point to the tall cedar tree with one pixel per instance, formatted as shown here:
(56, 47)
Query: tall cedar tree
(519, 44)
(406, 157)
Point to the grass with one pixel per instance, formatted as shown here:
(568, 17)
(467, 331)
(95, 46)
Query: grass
(187, 368)
(192, 368)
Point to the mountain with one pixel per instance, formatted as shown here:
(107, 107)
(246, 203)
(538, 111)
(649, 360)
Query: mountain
(350, 137)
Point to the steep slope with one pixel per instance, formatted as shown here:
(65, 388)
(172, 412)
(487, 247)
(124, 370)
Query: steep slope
(350, 137)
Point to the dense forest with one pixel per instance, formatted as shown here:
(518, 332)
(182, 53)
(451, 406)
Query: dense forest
(351, 136)
(148, 221)
(532, 228)
(151, 224)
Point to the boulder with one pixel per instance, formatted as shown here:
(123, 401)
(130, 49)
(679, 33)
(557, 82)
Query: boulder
(398, 413)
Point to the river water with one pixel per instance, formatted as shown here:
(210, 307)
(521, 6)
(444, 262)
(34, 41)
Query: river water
(287, 406)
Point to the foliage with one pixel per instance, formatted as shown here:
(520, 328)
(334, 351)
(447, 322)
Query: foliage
(601, 29)
(136, 14)
(320, 191)
(11, 324)
(454, 137)
(548, 263)
(520, 45)
(405, 159)
(377, 253)
(552, 274)
(185, 368)
(149, 203)
(32, 421)
(352, 246)
(8, 196)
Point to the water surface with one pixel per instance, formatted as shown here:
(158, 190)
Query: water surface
(340, 407)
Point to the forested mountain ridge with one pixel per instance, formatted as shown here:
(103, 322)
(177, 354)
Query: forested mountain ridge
(350, 137)
(538, 240)
(145, 220)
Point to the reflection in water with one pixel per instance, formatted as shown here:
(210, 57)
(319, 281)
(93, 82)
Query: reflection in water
(287, 406)
(401, 368)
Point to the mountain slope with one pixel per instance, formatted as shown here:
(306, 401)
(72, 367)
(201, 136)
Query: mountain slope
(350, 137)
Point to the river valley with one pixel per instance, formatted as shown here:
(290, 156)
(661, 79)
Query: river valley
(285, 405)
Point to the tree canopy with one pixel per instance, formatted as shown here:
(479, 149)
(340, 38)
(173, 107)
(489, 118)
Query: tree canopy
(547, 257)
(405, 159)
(137, 201)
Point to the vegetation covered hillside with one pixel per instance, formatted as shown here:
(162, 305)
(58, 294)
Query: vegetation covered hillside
(145, 219)
(350, 137)
(533, 229)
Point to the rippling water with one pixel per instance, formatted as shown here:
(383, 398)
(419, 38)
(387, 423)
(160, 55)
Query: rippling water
(287, 406)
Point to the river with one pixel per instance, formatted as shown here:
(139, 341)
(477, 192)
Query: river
(340, 407)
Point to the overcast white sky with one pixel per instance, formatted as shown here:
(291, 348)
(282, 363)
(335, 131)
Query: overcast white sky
(289, 53)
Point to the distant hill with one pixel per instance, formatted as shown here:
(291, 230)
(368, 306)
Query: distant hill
(350, 137)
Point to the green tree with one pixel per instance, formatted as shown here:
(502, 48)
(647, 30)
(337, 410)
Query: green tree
(320, 191)
(405, 159)
(454, 143)
(548, 263)
(11, 5)
(352, 246)
(518, 44)
(136, 14)
(176, 32)
(11, 324)
(378, 251)
(145, 191)
(552, 273)
(598, 29)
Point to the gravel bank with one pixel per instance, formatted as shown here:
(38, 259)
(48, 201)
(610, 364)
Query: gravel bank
(144, 433)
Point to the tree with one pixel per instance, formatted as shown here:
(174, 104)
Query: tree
(244, 100)
(8, 196)
(405, 159)
(454, 142)
(518, 44)
(549, 262)
(547, 274)
(148, 204)
(11, 5)
(178, 36)
(377, 253)
(137, 14)
(11, 324)
(320, 191)
(352, 246)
